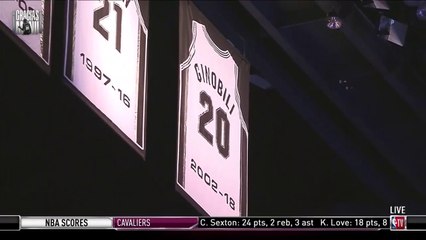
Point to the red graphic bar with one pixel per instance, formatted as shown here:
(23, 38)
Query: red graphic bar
(154, 222)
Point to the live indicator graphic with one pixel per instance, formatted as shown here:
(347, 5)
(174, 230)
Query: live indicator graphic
(403, 222)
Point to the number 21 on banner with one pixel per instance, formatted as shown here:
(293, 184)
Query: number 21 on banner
(105, 60)
(102, 13)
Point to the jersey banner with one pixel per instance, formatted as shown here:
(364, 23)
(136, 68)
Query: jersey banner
(213, 117)
(28, 23)
(105, 61)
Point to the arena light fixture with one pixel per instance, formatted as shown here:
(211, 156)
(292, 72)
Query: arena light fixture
(334, 21)
(421, 12)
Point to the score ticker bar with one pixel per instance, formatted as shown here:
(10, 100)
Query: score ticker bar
(11, 223)
(129, 223)
(416, 223)
(340, 222)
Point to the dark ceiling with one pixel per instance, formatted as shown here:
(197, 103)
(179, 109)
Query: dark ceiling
(341, 81)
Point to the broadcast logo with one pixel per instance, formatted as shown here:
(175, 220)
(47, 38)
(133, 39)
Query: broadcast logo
(27, 22)
(398, 222)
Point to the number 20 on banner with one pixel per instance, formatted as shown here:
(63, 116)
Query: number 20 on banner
(213, 134)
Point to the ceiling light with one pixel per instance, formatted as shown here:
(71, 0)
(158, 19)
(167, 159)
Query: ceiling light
(334, 22)
(421, 12)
